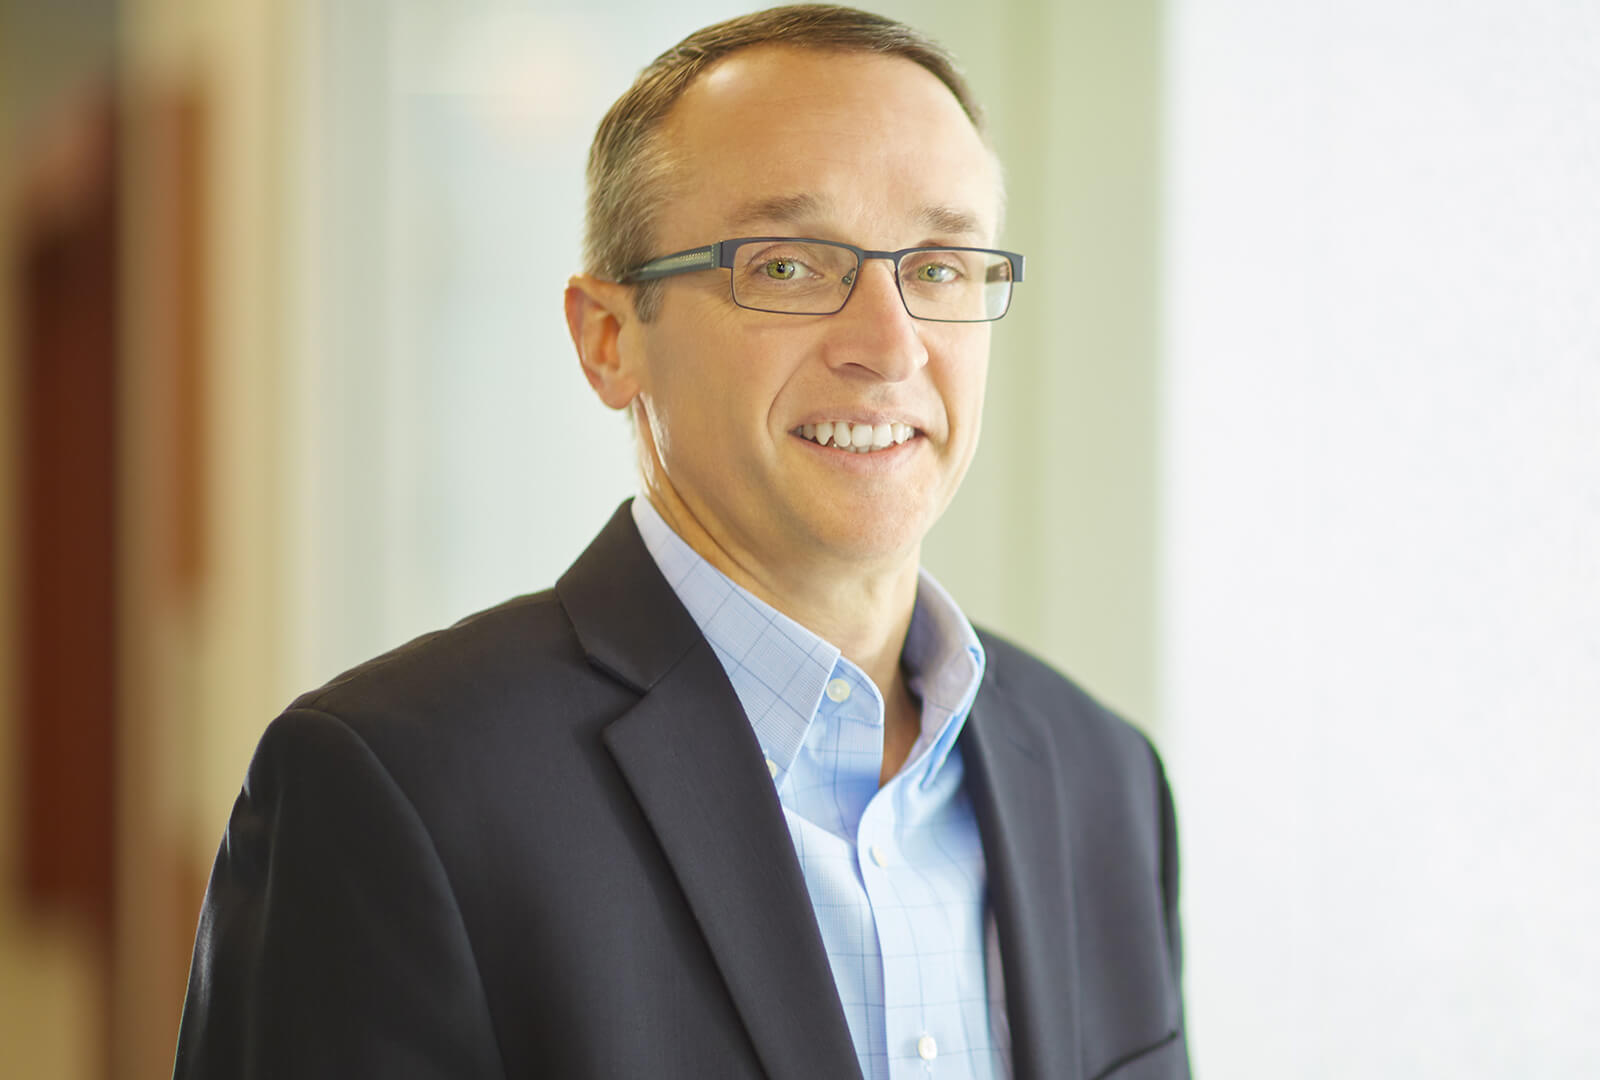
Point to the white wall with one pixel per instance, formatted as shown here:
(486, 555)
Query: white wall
(1382, 568)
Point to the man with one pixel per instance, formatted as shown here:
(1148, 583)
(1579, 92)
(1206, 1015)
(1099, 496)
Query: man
(744, 795)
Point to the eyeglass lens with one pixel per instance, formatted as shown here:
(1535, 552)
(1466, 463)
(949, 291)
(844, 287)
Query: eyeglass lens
(809, 277)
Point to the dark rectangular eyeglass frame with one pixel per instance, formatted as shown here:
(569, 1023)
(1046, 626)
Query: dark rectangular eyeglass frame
(720, 256)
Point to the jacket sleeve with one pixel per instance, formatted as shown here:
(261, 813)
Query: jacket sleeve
(1168, 817)
(330, 943)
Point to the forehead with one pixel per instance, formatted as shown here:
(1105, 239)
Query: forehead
(840, 141)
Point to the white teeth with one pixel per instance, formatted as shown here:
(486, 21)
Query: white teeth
(857, 438)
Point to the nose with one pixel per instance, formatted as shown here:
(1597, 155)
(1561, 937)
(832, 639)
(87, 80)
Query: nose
(874, 332)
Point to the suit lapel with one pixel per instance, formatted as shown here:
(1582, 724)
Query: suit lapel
(1020, 809)
(693, 762)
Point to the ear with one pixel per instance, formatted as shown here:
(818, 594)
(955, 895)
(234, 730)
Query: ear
(598, 314)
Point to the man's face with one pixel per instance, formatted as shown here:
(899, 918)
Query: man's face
(852, 147)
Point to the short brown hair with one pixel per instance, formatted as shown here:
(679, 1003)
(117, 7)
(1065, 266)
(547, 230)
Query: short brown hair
(630, 171)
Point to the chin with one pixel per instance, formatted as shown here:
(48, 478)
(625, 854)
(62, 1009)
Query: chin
(874, 534)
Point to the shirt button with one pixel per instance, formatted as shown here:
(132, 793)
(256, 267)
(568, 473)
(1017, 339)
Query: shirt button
(772, 767)
(877, 855)
(927, 1049)
(838, 690)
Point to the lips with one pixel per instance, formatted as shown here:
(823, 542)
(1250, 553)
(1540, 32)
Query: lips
(858, 438)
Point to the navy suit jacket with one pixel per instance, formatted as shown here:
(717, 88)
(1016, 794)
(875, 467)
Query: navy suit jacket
(544, 843)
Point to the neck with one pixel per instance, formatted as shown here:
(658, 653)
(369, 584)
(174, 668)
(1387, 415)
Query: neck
(862, 608)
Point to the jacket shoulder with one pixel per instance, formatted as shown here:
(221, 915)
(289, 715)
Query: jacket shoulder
(524, 627)
(517, 660)
(1078, 722)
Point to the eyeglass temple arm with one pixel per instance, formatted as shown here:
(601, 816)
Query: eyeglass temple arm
(679, 262)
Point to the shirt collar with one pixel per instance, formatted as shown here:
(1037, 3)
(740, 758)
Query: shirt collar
(944, 662)
(943, 658)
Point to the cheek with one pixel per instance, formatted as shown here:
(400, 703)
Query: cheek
(708, 410)
(975, 404)
(964, 374)
(747, 388)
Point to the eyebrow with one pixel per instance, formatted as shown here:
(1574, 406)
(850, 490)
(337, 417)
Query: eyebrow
(944, 221)
(786, 209)
(949, 221)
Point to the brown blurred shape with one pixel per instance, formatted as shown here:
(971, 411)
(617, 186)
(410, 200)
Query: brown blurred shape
(67, 398)
(80, 508)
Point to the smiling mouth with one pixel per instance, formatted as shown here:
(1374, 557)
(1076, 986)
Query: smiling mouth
(856, 438)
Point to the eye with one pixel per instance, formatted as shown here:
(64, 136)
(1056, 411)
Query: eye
(770, 267)
(933, 273)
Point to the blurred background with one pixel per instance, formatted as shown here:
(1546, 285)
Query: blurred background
(1292, 455)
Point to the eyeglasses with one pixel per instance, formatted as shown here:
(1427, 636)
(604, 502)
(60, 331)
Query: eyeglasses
(794, 276)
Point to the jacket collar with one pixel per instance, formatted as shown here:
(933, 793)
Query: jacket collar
(693, 763)
(1021, 812)
(605, 593)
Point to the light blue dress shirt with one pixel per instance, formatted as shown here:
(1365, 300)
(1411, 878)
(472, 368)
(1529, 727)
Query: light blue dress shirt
(896, 874)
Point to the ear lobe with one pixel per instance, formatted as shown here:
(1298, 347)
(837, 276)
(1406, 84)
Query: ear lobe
(597, 312)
